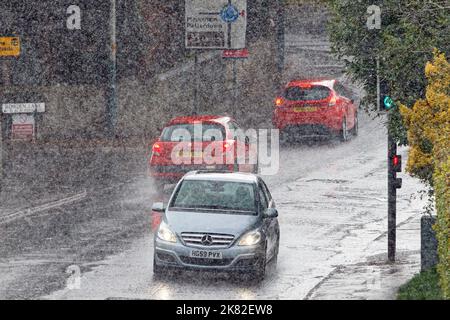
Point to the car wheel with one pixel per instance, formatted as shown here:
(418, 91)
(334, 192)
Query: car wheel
(275, 258)
(260, 270)
(236, 166)
(355, 129)
(284, 138)
(159, 186)
(256, 167)
(344, 131)
(157, 270)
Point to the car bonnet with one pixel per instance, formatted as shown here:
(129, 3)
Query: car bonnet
(206, 222)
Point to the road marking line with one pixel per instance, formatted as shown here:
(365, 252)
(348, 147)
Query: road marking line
(44, 207)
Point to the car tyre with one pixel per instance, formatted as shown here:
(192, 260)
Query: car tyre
(260, 269)
(157, 270)
(159, 186)
(274, 260)
(256, 167)
(355, 129)
(284, 138)
(344, 131)
(275, 257)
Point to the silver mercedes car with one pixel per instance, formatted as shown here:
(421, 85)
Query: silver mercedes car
(217, 221)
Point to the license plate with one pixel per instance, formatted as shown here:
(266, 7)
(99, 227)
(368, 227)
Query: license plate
(193, 154)
(305, 109)
(205, 254)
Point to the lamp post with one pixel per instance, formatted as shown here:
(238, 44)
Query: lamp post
(111, 91)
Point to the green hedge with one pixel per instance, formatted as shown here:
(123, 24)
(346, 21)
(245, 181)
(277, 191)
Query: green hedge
(442, 227)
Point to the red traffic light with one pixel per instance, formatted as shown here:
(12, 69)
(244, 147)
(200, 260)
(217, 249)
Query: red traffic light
(397, 163)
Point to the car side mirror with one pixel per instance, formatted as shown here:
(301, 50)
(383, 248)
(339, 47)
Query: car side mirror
(271, 213)
(158, 207)
(352, 100)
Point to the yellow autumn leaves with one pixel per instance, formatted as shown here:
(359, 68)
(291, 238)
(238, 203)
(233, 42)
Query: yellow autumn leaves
(428, 124)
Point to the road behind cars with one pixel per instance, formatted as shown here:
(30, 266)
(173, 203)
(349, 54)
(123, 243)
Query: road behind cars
(331, 200)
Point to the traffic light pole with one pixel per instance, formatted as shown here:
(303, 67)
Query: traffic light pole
(385, 104)
(5, 65)
(378, 85)
(392, 198)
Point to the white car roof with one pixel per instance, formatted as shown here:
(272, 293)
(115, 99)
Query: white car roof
(222, 176)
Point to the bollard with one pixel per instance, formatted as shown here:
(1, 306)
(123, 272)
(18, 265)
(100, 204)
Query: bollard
(429, 244)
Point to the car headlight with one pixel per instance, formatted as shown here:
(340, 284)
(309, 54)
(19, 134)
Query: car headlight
(164, 233)
(250, 238)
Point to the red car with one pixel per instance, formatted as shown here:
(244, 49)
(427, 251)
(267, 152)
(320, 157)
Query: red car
(314, 108)
(200, 143)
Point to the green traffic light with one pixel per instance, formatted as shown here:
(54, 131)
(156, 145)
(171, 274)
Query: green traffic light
(388, 102)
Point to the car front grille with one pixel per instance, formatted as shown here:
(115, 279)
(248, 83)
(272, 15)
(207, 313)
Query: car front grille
(206, 262)
(209, 240)
(166, 257)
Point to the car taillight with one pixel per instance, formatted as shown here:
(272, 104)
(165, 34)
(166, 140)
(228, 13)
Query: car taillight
(332, 101)
(279, 101)
(156, 149)
(226, 147)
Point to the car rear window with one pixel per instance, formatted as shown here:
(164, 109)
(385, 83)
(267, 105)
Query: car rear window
(194, 132)
(307, 94)
(218, 196)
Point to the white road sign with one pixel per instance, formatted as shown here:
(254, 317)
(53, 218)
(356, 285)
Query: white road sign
(216, 24)
(23, 107)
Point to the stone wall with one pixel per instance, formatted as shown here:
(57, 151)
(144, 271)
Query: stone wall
(146, 107)
(78, 112)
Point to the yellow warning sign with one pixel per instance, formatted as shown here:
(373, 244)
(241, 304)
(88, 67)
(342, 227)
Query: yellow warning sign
(9, 46)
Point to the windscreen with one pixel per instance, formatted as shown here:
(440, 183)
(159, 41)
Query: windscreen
(221, 196)
(307, 94)
(194, 132)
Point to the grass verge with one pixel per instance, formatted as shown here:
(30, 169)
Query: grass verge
(424, 286)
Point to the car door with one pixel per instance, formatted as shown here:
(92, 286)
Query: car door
(271, 224)
(274, 224)
(347, 104)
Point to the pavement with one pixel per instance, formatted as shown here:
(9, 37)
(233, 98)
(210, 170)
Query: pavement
(375, 278)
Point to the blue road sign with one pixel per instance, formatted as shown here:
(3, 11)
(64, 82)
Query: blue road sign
(229, 13)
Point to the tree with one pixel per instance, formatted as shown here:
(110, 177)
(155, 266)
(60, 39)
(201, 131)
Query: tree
(410, 29)
(428, 123)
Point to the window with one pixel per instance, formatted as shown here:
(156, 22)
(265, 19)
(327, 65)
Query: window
(342, 91)
(237, 132)
(217, 196)
(192, 132)
(266, 190)
(307, 94)
(262, 200)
